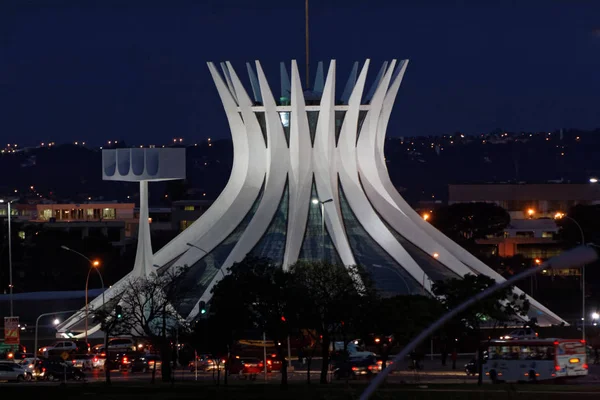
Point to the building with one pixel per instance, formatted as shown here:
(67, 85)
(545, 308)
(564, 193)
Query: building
(185, 212)
(309, 182)
(532, 208)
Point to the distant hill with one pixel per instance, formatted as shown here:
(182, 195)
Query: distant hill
(421, 167)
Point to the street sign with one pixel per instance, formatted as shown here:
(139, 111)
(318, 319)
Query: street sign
(11, 330)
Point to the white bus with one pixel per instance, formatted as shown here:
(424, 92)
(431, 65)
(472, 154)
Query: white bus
(534, 359)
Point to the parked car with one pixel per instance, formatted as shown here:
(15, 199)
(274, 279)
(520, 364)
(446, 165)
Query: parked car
(206, 362)
(140, 363)
(380, 363)
(356, 367)
(28, 364)
(10, 373)
(55, 370)
(247, 367)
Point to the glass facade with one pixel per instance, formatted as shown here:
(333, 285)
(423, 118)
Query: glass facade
(313, 119)
(272, 244)
(317, 244)
(201, 273)
(389, 276)
(435, 270)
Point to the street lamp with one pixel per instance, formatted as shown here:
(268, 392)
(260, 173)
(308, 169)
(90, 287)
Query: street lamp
(10, 269)
(315, 202)
(56, 321)
(205, 252)
(560, 215)
(426, 216)
(569, 259)
(530, 212)
(94, 264)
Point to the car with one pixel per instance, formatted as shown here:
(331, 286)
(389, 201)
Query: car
(247, 367)
(523, 333)
(97, 349)
(57, 370)
(10, 373)
(28, 363)
(98, 361)
(83, 361)
(68, 346)
(274, 362)
(206, 362)
(356, 367)
(471, 368)
(388, 362)
(140, 363)
(121, 344)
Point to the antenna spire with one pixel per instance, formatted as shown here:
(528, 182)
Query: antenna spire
(307, 50)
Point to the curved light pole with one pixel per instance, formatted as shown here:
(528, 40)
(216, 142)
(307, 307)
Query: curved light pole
(93, 266)
(560, 215)
(10, 269)
(322, 203)
(35, 340)
(205, 253)
(572, 258)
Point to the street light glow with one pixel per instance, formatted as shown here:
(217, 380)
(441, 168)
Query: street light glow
(530, 212)
(559, 215)
(435, 255)
(593, 180)
(56, 321)
(426, 216)
(95, 263)
(315, 201)
(595, 315)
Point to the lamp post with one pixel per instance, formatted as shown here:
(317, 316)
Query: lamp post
(93, 266)
(315, 202)
(10, 269)
(205, 253)
(560, 215)
(572, 258)
(37, 321)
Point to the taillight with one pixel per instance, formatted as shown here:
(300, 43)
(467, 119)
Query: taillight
(585, 366)
(95, 359)
(371, 367)
(43, 369)
(269, 362)
(557, 367)
(354, 368)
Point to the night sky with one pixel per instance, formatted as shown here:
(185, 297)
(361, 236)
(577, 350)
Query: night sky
(104, 71)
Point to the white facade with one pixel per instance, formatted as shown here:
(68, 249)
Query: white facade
(323, 144)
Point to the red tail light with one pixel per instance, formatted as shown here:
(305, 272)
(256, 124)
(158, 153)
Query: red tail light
(354, 368)
(95, 359)
(43, 369)
(582, 341)
(585, 366)
(557, 367)
(372, 367)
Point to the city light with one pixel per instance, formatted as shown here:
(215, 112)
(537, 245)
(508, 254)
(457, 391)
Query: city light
(530, 212)
(96, 263)
(315, 201)
(426, 216)
(559, 215)
(56, 321)
(538, 261)
(595, 315)
(435, 255)
(593, 180)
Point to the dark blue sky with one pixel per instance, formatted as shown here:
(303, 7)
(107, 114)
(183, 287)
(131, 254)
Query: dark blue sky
(104, 71)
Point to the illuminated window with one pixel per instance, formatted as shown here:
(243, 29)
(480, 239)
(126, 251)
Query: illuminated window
(89, 213)
(47, 214)
(189, 208)
(108, 213)
(22, 235)
(548, 235)
(183, 225)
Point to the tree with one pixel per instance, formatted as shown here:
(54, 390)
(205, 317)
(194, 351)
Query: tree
(111, 322)
(254, 296)
(401, 319)
(326, 297)
(150, 306)
(467, 222)
(501, 307)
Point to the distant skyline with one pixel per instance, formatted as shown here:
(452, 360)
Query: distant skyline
(99, 70)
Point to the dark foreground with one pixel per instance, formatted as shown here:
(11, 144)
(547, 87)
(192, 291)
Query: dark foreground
(160, 391)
